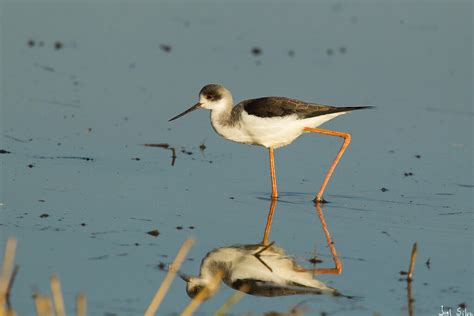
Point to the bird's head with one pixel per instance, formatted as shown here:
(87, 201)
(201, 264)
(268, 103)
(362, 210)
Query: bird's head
(211, 97)
(196, 285)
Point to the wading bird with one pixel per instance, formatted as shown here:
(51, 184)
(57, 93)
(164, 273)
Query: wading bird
(271, 122)
(254, 269)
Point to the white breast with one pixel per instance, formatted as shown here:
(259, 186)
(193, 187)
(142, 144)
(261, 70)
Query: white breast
(268, 131)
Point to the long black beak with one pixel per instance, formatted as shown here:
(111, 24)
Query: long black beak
(184, 276)
(194, 107)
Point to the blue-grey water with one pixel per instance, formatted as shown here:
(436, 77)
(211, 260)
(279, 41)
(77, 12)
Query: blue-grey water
(98, 80)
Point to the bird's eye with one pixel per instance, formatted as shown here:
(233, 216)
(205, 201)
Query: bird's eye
(195, 291)
(209, 97)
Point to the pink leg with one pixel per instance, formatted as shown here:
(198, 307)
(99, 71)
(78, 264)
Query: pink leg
(272, 173)
(347, 140)
(338, 265)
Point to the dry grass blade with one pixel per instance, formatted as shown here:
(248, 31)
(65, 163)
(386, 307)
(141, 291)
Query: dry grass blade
(233, 299)
(201, 296)
(57, 296)
(410, 299)
(6, 273)
(81, 305)
(7, 266)
(409, 279)
(161, 292)
(412, 263)
(10, 312)
(44, 306)
(10, 286)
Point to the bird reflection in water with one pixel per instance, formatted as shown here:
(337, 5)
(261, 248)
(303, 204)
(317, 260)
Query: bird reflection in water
(261, 269)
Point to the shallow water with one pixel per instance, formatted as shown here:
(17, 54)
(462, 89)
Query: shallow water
(91, 81)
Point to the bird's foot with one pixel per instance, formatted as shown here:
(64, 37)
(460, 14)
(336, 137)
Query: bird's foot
(258, 253)
(320, 200)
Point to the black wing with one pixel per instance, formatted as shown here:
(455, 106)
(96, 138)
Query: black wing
(281, 106)
(269, 289)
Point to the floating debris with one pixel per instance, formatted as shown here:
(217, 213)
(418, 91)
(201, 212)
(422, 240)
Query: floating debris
(141, 219)
(179, 227)
(315, 260)
(98, 257)
(44, 215)
(166, 48)
(31, 43)
(256, 51)
(383, 189)
(154, 233)
(417, 156)
(18, 139)
(136, 158)
(64, 157)
(58, 45)
(408, 174)
(165, 146)
(47, 68)
(30, 166)
(428, 263)
(466, 185)
(162, 266)
(202, 147)
(3, 151)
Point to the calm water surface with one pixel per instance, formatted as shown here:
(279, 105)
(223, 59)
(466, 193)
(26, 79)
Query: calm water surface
(84, 80)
